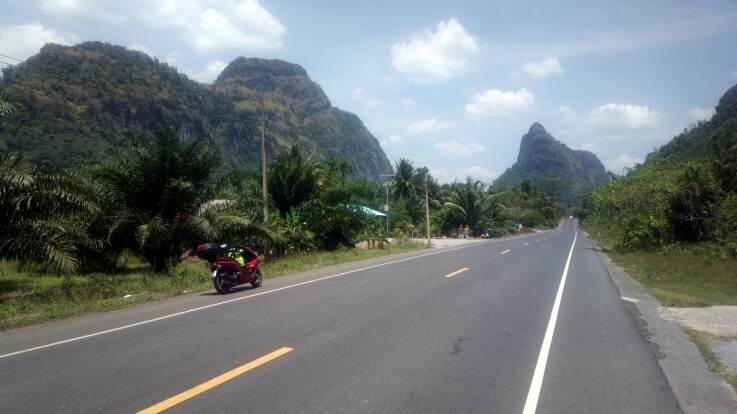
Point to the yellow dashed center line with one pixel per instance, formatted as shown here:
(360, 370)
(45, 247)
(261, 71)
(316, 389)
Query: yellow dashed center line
(457, 272)
(166, 404)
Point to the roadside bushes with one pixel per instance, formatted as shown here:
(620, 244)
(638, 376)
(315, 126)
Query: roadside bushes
(667, 201)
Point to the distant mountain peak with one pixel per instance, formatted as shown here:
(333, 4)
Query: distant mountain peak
(533, 140)
(286, 82)
(250, 68)
(537, 128)
(551, 164)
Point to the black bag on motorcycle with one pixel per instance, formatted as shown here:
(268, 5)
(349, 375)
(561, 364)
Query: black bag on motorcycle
(207, 251)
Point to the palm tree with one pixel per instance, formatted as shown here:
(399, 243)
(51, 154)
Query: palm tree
(404, 185)
(471, 201)
(156, 197)
(7, 106)
(293, 180)
(338, 166)
(40, 215)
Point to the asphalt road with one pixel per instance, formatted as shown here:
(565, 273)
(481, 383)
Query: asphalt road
(391, 335)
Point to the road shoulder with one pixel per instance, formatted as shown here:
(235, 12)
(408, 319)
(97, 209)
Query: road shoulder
(697, 389)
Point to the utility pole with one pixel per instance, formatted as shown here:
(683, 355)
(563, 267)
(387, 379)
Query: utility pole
(386, 208)
(264, 123)
(427, 212)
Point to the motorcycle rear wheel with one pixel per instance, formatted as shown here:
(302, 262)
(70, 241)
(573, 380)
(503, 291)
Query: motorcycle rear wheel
(222, 283)
(259, 279)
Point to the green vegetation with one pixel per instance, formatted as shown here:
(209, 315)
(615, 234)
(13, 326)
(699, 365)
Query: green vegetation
(77, 101)
(471, 203)
(672, 222)
(42, 215)
(680, 275)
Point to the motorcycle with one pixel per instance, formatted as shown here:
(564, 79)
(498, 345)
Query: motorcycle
(225, 272)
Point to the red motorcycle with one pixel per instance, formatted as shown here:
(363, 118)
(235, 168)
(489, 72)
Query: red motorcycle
(225, 271)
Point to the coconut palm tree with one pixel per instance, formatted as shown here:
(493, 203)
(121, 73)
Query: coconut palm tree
(471, 201)
(404, 185)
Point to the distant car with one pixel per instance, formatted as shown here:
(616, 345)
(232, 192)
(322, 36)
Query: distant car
(486, 236)
(570, 217)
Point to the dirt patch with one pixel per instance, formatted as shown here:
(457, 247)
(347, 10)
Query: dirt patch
(716, 320)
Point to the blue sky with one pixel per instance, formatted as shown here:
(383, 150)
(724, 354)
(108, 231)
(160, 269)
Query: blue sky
(451, 85)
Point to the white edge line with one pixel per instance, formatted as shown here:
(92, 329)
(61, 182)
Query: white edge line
(542, 360)
(120, 328)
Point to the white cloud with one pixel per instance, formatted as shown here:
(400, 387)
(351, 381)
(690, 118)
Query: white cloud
(174, 58)
(207, 25)
(499, 104)
(455, 148)
(479, 173)
(106, 11)
(366, 98)
(591, 147)
(701, 114)
(547, 67)
(614, 117)
(618, 165)
(25, 40)
(409, 103)
(429, 127)
(211, 72)
(391, 140)
(144, 49)
(567, 114)
(436, 56)
(244, 24)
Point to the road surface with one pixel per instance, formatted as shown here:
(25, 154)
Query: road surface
(530, 324)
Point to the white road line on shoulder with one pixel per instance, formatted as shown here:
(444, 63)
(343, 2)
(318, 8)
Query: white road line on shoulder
(161, 318)
(537, 379)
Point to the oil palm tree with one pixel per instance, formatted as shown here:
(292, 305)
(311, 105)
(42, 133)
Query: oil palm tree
(156, 196)
(40, 215)
(292, 179)
(7, 106)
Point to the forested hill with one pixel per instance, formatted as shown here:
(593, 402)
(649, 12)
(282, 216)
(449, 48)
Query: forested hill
(554, 168)
(76, 103)
(684, 192)
(706, 137)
